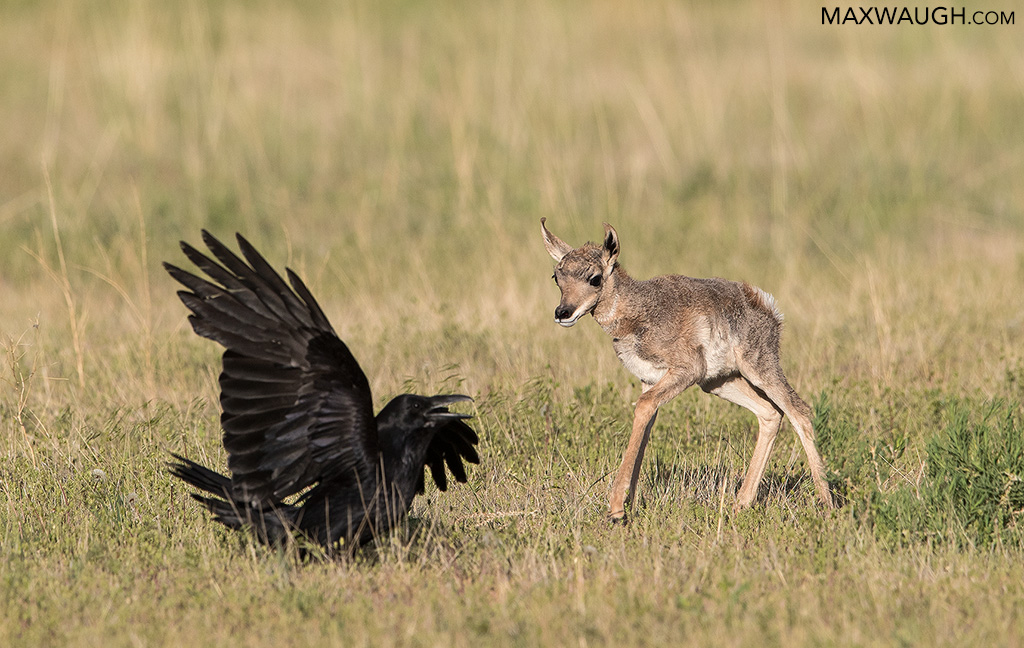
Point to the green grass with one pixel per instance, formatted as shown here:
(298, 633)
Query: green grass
(399, 156)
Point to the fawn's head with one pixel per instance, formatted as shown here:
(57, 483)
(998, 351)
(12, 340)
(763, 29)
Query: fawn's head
(581, 273)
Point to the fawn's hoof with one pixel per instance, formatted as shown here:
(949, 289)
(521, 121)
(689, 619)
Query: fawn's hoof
(619, 517)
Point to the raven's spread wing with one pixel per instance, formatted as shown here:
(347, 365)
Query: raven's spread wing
(296, 405)
(452, 444)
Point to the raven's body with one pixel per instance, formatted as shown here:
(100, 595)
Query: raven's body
(297, 415)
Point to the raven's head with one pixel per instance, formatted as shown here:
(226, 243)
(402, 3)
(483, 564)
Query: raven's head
(410, 412)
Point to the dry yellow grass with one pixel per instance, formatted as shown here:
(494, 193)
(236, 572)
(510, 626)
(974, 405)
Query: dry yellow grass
(400, 155)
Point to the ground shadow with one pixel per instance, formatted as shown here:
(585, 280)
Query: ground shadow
(704, 482)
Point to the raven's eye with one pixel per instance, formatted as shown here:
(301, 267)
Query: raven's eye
(595, 281)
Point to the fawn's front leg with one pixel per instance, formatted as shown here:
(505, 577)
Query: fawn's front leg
(653, 396)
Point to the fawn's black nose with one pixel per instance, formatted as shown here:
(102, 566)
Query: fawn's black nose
(562, 313)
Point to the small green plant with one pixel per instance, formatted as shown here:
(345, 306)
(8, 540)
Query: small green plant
(846, 452)
(974, 472)
(971, 492)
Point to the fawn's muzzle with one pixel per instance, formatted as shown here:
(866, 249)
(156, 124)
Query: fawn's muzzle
(565, 316)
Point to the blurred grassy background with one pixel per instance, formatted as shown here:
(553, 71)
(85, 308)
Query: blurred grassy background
(399, 156)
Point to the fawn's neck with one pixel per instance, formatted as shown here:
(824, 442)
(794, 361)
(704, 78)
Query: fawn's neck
(611, 310)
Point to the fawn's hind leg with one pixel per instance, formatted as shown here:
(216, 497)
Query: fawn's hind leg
(772, 381)
(769, 419)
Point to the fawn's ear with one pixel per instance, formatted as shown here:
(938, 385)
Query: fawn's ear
(610, 247)
(556, 247)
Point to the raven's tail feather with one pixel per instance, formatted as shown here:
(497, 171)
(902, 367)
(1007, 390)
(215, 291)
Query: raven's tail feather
(200, 476)
(273, 523)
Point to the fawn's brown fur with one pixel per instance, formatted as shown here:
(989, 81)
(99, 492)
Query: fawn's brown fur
(672, 332)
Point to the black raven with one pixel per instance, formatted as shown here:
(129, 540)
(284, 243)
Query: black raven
(298, 418)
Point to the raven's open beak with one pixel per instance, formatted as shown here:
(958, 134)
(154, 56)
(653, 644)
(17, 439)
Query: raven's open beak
(439, 407)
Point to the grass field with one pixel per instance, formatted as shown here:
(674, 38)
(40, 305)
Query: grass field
(399, 156)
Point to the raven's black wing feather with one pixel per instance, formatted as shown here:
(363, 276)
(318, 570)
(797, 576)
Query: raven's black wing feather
(452, 444)
(296, 405)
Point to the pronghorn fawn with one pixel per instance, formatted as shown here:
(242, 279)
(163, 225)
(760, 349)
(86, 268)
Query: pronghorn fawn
(672, 332)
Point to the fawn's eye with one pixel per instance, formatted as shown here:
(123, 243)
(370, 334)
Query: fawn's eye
(555, 278)
(595, 281)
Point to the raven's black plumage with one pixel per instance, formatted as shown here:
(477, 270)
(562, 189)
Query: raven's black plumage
(298, 417)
